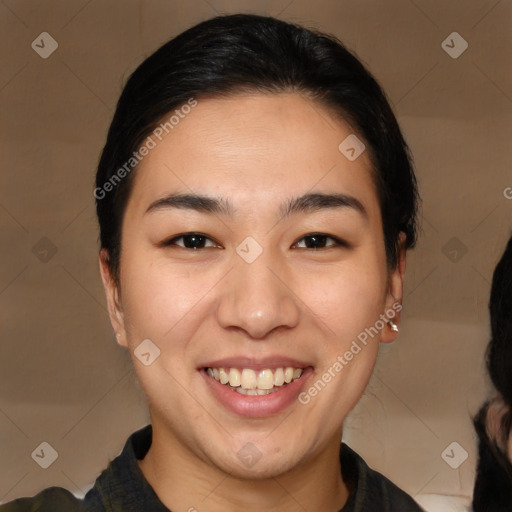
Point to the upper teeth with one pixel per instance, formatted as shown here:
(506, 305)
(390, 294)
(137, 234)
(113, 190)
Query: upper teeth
(249, 379)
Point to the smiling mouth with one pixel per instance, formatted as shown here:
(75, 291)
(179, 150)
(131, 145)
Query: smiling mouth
(256, 383)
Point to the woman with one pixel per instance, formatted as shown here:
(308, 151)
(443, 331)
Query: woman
(493, 485)
(256, 199)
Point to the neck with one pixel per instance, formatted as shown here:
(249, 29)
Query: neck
(183, 481)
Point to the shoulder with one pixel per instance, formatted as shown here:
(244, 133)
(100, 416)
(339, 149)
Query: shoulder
(48, 500)
(372, 490)
(392, 497)
(121, 486)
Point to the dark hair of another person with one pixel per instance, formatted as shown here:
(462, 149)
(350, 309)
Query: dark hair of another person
(241, 53)
(493, 484)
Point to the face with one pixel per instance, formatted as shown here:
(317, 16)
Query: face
(264, 285)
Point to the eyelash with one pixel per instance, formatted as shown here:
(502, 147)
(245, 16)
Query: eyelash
(338, 242)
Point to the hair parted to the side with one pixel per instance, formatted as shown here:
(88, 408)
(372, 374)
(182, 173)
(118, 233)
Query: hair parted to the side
(247, 53)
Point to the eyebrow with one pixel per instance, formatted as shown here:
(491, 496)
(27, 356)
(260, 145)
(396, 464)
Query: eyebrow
(307, 203)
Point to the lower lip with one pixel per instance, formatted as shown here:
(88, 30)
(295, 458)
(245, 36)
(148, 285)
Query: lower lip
(260, 405)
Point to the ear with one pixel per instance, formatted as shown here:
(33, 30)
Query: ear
(395, 294)
(114, 306)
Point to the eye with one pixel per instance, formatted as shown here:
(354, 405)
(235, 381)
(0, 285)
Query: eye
(318, 241)
(191, 241)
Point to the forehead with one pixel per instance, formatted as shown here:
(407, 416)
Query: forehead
(253, 147)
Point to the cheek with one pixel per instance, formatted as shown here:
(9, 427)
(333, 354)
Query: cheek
(348, 298)
(158, 297)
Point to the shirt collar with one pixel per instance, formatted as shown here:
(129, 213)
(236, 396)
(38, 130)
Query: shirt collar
(122, 486)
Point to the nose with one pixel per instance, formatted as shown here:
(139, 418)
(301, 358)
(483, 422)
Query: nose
(258, 298)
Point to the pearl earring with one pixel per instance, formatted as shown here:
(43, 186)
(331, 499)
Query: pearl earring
(393, 326)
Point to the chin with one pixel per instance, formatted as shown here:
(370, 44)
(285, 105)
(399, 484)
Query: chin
(262, 469)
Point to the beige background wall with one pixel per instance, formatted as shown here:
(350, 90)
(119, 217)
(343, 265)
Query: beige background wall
(64, 380)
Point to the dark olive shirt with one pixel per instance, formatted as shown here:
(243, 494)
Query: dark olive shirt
(123, 487)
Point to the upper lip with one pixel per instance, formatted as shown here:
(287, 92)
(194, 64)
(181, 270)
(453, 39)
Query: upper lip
(256, 363)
